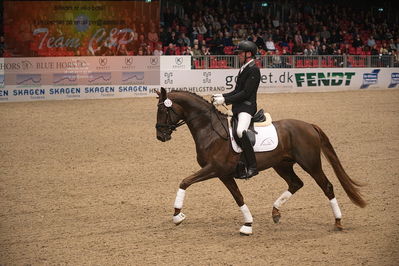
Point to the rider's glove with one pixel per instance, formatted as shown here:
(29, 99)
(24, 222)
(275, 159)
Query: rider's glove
(219, 100)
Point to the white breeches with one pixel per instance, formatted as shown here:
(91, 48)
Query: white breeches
(244, 120)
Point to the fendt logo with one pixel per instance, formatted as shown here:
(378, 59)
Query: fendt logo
(313, 79)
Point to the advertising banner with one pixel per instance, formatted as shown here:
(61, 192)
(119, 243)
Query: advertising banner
(58, 78)
(43, 28)
(284, 80)
(169, 62)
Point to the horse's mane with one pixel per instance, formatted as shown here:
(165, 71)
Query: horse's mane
(202, 99)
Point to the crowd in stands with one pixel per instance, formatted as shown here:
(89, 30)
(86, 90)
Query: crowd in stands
(286, 27)
(302, 28)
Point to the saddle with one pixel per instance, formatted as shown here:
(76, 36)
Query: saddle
(259, 117)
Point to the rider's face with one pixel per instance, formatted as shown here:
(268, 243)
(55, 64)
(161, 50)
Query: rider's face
(241, 56)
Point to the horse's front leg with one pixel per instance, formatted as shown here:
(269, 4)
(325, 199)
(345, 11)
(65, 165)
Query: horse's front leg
(231, 185)
(205, 173)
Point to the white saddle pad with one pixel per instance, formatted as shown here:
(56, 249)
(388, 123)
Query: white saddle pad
(266, 139)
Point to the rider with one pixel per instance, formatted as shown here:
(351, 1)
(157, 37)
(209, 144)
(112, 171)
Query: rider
(243, 100)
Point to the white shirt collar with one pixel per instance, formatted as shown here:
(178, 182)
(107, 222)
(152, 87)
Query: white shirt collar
(245, 65)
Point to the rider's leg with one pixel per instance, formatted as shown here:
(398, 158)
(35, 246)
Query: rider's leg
(244, 120)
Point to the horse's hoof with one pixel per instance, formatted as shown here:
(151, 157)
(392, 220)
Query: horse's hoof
(338, 225)
(179, 218)
(246, 230)
(276, 215)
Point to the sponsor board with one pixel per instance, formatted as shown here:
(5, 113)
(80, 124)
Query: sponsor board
(176, 62)
(17, 94)
(394, 80)
(57, 78)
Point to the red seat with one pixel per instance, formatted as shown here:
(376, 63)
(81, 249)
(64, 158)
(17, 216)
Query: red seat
(199, 64)
(299, 63)
(223, 64)
(214, 63)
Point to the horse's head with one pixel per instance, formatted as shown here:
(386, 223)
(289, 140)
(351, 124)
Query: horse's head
(169, 116)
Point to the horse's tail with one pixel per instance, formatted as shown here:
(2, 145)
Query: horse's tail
(351, 187)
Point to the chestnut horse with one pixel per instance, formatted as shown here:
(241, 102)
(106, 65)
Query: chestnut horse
(298, 142)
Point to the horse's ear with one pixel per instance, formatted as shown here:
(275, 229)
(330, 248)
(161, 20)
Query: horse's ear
(163, 93)
(158, 94)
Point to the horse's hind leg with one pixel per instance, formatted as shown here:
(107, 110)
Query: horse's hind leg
(231, 185)
(286, 171)
(315, 170)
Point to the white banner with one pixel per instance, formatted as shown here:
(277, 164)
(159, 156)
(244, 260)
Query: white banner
(59, 78)
(284, 80)
(169, 62)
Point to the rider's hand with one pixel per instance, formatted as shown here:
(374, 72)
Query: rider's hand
(218, 100)
(217, 95)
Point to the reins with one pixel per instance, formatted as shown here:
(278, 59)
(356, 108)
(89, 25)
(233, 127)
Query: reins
(174, 126)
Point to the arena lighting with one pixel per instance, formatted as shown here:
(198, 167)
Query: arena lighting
(148, 1)
(264, 4)
(381, 9)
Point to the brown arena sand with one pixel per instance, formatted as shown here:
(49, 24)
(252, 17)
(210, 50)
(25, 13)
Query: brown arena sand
(86, 182)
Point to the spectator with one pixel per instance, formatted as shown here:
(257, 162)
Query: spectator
(205, 50)
(163, 36)
(270, 45)
(122, 50)
(140, 51)
(148, 50)
(196, 51)
(227, 41)
(371, 42)
(201, 29)
(170, 50)
(357, 42)
(324, 50)
(236, 39)
(392, 46)
(298, 39)
(158, 50)
(152, 36)
(325, 33)
(374, 50)
(188, 51)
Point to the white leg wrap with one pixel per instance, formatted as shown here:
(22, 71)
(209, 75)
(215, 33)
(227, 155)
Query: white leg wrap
(179, 198)
(283, 198)
(247, 214)
(335, 208)
(177, 219)
(246, 230)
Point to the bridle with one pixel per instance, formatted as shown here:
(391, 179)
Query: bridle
(169, 124)
(172, 126)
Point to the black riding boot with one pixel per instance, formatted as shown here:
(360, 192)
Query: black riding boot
(249, 156)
